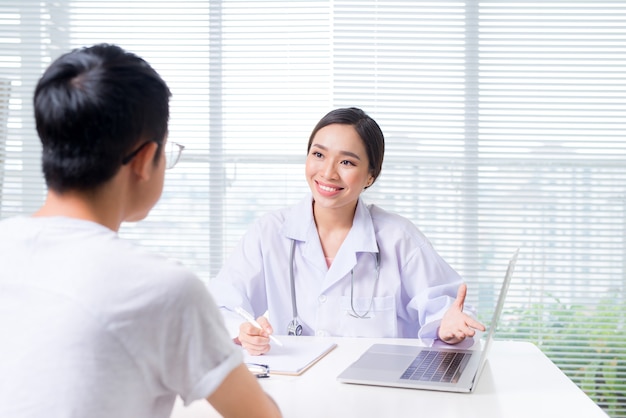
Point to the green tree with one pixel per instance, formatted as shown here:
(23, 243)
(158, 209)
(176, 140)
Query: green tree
(587, 343)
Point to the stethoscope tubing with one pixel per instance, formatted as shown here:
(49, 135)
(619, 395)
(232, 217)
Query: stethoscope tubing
(294, 327)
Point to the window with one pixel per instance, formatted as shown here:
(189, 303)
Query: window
(505, 125)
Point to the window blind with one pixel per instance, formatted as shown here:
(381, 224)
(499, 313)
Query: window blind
(504, 122)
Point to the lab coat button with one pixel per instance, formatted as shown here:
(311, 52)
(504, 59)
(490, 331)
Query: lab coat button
(320, 333)
(322, 298)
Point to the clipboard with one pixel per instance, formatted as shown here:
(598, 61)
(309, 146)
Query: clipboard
(296, 356)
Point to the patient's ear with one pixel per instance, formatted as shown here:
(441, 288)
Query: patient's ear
(143, 163)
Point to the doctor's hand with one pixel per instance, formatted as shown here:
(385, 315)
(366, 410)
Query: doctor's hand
(456, 325)
(256, 341)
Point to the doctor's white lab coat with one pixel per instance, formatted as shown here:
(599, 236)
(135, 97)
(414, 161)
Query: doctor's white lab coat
(415, 288)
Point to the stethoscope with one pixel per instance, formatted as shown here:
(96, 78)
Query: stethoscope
(295, 327)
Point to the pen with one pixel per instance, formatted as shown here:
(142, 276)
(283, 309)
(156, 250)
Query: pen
(259, 370)
(248, 317)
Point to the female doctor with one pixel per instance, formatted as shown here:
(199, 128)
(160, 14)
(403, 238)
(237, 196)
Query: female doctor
(333, 265)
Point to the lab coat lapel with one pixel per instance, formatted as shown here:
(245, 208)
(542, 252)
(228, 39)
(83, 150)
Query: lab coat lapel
(360, 239)
(300, 226)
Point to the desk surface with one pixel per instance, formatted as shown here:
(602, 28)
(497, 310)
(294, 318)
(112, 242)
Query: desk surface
(518, 381)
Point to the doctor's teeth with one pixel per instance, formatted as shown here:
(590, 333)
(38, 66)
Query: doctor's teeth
(328, 189)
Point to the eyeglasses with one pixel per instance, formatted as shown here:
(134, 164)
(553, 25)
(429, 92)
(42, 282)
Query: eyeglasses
(172, 152)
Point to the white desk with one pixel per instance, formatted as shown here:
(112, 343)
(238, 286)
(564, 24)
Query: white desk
(518, 381)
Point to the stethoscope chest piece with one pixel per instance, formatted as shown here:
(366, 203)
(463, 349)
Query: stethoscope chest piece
(294, 327)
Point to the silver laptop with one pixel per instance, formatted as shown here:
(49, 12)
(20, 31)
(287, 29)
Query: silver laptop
(435, 368)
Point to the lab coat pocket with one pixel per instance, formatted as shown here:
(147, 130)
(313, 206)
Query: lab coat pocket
(380, 321)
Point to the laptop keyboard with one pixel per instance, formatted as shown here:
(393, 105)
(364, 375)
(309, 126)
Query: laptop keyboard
(436, 366)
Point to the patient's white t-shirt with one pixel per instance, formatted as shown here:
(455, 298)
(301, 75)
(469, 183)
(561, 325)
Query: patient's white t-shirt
(93, 326)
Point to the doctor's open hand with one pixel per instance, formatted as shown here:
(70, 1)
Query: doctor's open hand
(256, 341)
(456, 325)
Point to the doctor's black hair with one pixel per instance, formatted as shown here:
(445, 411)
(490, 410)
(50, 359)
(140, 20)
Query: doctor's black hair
(94, 106)
(367, 128)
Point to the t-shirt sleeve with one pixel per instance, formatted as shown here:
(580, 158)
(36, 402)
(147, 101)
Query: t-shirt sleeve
(180, 341)
(204, 347)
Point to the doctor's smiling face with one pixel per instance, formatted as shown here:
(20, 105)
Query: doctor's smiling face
(337, 167)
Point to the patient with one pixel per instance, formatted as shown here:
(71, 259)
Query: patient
(91, 325)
